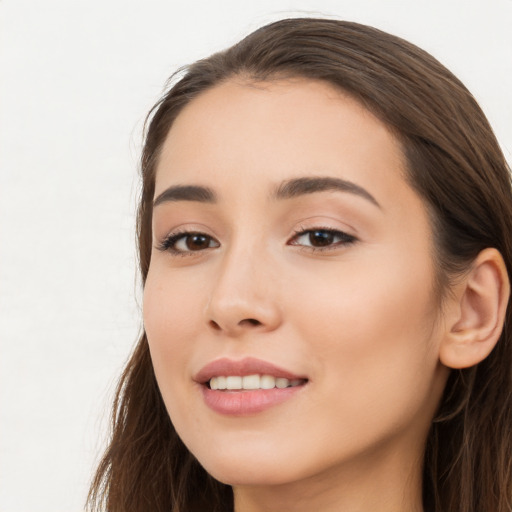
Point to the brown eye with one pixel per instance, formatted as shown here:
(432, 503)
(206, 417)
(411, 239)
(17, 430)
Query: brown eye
(321, 238)
(186, 243)
(197, 242)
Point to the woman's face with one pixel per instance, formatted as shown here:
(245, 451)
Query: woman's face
(289, 249)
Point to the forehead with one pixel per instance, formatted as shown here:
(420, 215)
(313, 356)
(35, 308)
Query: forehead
(277, 130)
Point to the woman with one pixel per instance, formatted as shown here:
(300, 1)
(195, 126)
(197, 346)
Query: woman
(325, 249)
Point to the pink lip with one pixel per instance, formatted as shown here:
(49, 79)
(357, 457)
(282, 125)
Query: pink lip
(244, 402)
(246, 366)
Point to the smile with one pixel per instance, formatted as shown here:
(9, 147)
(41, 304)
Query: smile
(247, 387)
(251, 382)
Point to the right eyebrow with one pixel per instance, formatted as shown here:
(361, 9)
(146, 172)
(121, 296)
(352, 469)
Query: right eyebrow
(186, 193)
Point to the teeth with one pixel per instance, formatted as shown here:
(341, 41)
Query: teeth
(267, 382)
(251, 382)
(232, 382)
(282, 383)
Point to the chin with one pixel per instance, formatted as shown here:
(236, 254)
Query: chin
(242, 475)
(245, 470)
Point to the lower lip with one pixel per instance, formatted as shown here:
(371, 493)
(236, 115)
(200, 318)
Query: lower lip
(244, 403)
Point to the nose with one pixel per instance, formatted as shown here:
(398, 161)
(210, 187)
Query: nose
(244, 297)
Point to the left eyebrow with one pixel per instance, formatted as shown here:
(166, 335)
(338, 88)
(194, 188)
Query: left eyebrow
(309, 185)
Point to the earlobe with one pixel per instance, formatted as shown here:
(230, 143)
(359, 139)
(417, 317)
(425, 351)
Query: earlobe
(481, 298)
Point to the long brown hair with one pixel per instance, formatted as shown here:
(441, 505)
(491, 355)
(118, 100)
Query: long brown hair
(456, 166)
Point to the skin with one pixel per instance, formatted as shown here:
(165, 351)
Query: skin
(361, 320)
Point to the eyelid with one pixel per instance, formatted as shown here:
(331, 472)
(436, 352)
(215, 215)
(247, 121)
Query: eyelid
(169, 241)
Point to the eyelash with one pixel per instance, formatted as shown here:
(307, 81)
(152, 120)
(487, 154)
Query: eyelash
(169, 243)
(345, 238)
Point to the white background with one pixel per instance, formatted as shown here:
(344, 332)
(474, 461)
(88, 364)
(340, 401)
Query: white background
(77, 78)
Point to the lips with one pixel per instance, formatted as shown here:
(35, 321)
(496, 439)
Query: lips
(224, 389)
(243, 368)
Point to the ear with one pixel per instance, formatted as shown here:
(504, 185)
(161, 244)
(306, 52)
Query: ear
(475, 317)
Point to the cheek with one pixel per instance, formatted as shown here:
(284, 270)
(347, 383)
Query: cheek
(367, 302)
(172, 305)
(171, 316)
(373, 330)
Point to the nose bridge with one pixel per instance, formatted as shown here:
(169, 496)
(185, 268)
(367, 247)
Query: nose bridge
(243, 295)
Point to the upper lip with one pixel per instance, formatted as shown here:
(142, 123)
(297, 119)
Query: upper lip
(243, 367)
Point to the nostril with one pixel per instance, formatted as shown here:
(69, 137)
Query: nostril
(215, 325)
(246, 322)
(250, 321)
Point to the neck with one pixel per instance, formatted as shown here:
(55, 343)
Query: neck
(386, 486)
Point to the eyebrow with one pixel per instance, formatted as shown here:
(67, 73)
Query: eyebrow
(309, 185)
(287, 190)
(186, 193)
